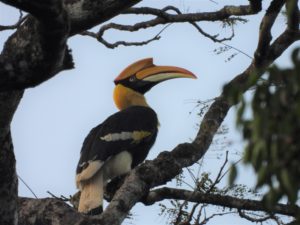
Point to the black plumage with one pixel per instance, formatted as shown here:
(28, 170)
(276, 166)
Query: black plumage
(134, 118)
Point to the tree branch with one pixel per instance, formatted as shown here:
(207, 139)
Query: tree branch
(163, 17)
(216, 199)
(221, 14)
(293, 14)
(9, 181)
(252, 219)
(45, 37)
(85, 14)
(124, 43)
(265, 35)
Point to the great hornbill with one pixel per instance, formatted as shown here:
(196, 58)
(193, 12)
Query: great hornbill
(124, 139)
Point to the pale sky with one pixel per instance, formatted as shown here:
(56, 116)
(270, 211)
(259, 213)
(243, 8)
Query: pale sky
(53, 119)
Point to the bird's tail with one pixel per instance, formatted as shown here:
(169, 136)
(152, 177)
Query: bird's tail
(91, 198)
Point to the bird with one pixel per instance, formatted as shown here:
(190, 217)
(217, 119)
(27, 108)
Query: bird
(124, 139)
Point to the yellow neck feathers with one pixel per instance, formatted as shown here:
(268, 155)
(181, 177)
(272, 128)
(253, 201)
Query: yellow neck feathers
(125, 97)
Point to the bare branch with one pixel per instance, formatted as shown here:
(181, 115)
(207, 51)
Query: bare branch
(32, 192)
(163, 17)
(124, 43)
(206, 219)
(253, 219)
(219, 176)
(216, 199)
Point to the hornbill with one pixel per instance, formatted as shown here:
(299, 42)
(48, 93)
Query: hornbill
(124, 139)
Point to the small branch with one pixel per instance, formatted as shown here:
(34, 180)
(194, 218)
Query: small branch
(32, 192)
(219, 176)
(206, 219)
(252, 219)
(216, 199)
(61, 198)
(16, 25)
(124, 43)
(227, 171)
(238, 50)
(191, 214)
(202, 208)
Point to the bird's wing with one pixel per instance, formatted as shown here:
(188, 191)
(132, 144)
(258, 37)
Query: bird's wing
(123, 131)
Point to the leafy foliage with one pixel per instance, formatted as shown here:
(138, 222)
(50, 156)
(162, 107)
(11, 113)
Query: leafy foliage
(272, 134)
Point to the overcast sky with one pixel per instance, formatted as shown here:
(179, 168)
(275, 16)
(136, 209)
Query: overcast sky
(53, 119)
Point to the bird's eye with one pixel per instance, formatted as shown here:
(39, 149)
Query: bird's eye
(132, 78)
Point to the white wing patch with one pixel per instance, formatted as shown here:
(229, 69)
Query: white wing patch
(136, 136)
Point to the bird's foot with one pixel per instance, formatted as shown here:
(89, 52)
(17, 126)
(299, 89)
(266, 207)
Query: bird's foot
(95, 211)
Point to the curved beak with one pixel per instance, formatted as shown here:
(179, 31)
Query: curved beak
(158, 74)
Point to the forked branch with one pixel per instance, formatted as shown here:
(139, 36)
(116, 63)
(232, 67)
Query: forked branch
(164, 16)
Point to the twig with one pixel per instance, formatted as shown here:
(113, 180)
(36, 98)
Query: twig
(124, 43)
(16, 25)
(62, 198)
(252, 219)
(206, 219)
(202, 208)
(27, 186)
(227, 171)
(219, 176)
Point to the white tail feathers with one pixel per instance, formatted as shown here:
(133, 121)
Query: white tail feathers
(91, 193)
(92, 180)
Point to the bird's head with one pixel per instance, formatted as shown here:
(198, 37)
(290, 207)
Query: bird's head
(138, 78)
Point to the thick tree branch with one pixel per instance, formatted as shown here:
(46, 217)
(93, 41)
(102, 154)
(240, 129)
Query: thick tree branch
(47, 36)
(9, 181)
(37, 50)
(265, 35)
(85, 14)
(293, 14)
(216, 199)
(44, 37)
